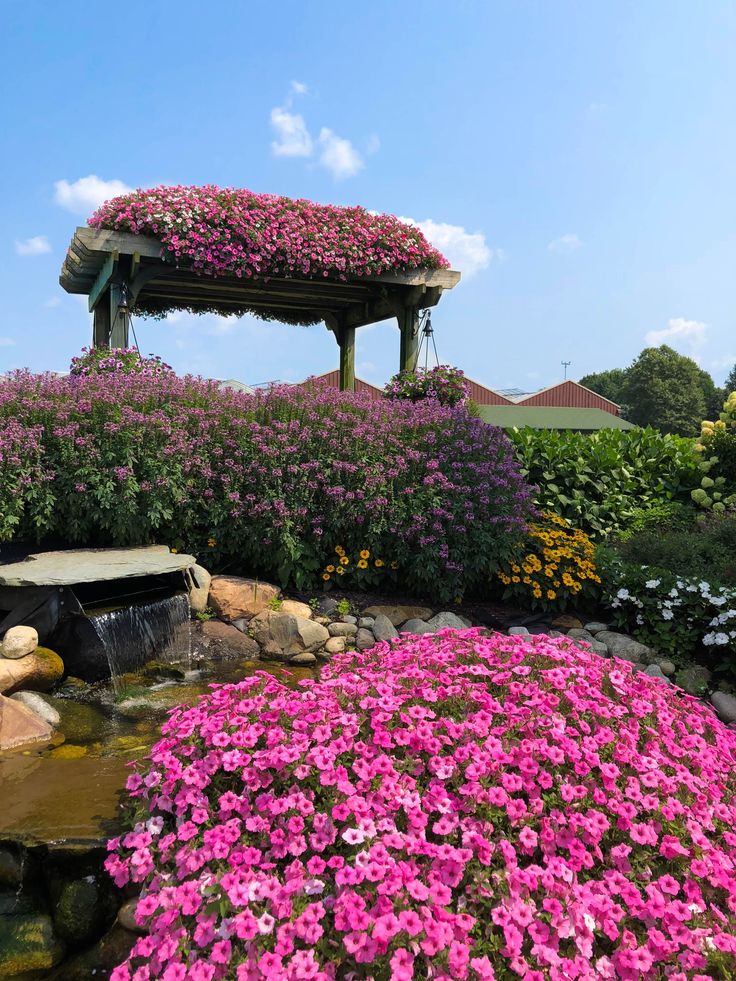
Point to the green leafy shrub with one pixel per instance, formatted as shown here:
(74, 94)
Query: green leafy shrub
(267, 484)
(599, 482)
(704, 547)
(675, 614)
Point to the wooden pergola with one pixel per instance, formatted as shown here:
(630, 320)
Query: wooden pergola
(119, 270)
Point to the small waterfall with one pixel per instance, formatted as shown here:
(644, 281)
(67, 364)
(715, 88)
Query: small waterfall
(156, 630)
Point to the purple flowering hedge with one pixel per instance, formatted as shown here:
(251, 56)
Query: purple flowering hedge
(273, 483)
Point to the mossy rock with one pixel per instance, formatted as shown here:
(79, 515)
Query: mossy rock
(78, 913)
(68, 751)
(28, 943)
(694, 679)
(98, 960)
(80, 723)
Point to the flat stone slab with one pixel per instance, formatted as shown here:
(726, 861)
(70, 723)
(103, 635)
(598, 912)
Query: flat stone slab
(93, 565)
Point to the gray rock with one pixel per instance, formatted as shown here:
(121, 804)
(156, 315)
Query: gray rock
(694, 679)
(199, 588)
(364, 639)
(11, 866)
(518, 632)
(126, 917)
(228, 639)
(92, 565)
(366, 622)
(242, 624)
(348, 618)
(19, 641)
(399, 614)
(667, 668)
(654, 671)
(342, 629)
(38, 704)
(580, 633)
(305, 657)
(725, 706)
(29, 946)
(623, 646)
(327, 605)
(595, 627)
(447, 619)
(383, 629)
(335, 645)
(416, 626)
(283, 635)
(78, 913)
(556, 633)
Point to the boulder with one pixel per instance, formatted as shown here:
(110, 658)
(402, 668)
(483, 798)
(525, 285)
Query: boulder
(335, 645)
(232, 597)
(725, 706)
(305, 657)
(595, 627)
(12, 862)
(199, 589)
(654, 671)
(399, 614)
(566, 621)
(694, 679)
(38, 704)
(283, 635)
(297, 609)
(98, 960)
(348, 618)
(416, 626)
(19, 641)
(668, 668)
(518, 632)
(79, 914)
(327, 605)
(28, 944)
(19, 726)
(342, 629)
(580, 633)
(126, 916)
(38, 671)
(383, 629)
(229, 640)
(440, 621)
(364, 639)
(623, 646)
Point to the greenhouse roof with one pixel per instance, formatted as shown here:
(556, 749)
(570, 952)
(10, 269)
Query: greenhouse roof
(550, 417)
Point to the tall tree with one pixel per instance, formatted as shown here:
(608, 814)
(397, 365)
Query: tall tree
(730, 383)
(713, 395)
(609, 384)
(664, 389)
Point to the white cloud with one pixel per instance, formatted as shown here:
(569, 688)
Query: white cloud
(38, 245)
(338, 155)
(88, 193)
(679, 330)
(7, 342)
(298, 88)
(293, 136)
(565, 243)
(466, 251)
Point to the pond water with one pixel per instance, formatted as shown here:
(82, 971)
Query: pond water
(70, 792)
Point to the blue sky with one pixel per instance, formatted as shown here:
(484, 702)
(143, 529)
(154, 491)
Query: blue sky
(575, 161)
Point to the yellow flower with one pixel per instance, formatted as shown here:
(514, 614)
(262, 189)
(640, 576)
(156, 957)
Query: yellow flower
(339, 550)
(326, 576)
(344, 560)
(211, 542)
(379, 563)
(515, 579)
(340, 571)
(174, 551)
(365, 554)
(330, 568)
(362, 564)
(551, 594)
(515, 568)
(394, 565)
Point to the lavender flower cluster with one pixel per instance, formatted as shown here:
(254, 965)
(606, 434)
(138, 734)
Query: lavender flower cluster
(277, 478)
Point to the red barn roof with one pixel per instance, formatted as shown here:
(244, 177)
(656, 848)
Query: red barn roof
(572, 395)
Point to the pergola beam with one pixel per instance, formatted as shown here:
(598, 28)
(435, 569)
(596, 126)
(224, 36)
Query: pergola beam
(119, 270)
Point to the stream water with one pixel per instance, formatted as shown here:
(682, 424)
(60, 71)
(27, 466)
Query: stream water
(71, 790)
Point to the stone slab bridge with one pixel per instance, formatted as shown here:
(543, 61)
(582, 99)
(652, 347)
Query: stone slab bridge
(117, 270)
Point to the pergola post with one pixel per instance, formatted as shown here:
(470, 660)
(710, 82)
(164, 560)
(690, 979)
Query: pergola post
(109, 302)
(346, 340)
(408, 318)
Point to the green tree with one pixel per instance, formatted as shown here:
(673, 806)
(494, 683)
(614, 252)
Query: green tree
(664, 389)
(609, 384)
(713, 395)
(730, 383)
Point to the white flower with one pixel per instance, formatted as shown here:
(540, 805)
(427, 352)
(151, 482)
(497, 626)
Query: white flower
(667, 614)
(652, 583)
(623, 594)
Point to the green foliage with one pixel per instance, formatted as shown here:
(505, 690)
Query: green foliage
(717, 449)
(599, 482)
(204, 615)
(343, 607)
(730, 383)
(677, 615)
(675, 541)
(609, 384)
(664, 389)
